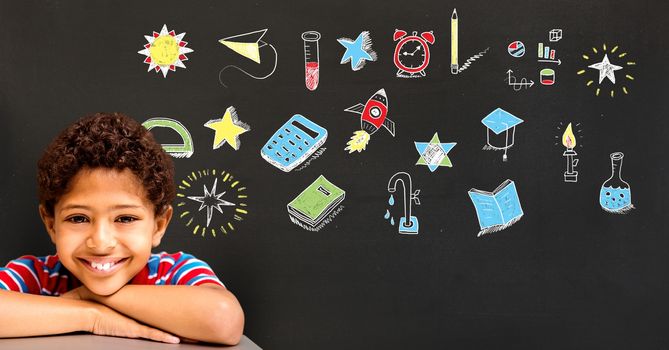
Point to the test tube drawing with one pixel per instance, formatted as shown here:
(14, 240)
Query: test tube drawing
(311, 59)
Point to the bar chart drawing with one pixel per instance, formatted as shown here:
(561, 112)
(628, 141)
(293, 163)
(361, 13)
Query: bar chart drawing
(546, 54)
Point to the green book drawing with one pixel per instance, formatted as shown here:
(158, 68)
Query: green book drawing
(315, 206)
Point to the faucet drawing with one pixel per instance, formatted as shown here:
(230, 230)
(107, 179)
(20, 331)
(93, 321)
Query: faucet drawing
(408, 223)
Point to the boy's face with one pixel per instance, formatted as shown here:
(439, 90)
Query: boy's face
(104, 228)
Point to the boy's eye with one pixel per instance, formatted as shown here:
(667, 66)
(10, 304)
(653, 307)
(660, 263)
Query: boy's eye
(77, 219)
(126, 219)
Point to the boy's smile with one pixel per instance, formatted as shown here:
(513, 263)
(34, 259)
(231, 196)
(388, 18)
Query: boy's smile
(103, 265)
(104, 228)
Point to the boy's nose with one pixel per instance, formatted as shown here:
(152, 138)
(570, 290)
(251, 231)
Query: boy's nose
(102, 238)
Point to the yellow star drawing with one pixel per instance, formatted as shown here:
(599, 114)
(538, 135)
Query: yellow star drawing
(227, 129)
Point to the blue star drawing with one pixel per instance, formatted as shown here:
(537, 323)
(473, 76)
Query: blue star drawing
(434, 153)
(358, 51)
(211, 200)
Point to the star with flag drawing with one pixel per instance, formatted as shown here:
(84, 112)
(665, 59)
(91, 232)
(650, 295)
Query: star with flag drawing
(606, 69)
(434, 153)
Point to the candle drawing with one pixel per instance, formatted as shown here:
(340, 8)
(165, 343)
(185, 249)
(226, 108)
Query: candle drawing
(454, 42)
(569, 141)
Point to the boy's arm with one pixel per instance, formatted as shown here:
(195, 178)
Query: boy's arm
(26, 315)
(29, 315)
(207, 312)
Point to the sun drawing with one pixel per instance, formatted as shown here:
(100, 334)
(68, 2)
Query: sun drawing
(211, 189)
(165, 51)
(617, 61)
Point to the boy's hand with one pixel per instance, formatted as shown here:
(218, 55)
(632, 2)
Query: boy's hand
(108, 321)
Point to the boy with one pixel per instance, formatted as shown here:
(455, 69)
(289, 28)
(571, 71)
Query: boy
(105, 188)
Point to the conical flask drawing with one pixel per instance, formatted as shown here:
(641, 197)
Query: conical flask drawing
(615, 195)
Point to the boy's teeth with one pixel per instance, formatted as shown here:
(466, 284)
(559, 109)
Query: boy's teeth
(102, 267)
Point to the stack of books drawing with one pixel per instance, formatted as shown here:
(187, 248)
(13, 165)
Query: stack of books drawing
(498, 209)
(315, 206)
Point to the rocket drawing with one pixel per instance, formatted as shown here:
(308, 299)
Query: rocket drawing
(373, 115)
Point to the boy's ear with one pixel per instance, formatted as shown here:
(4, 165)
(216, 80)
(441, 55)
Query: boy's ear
(162, 220)
(48, 221)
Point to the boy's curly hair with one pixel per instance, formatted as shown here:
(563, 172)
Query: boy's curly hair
(107, 140)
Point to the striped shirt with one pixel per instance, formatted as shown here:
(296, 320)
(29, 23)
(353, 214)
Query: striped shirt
(47, 276)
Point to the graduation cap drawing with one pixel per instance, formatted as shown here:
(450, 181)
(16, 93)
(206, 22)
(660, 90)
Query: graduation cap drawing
(503, 127)
(248, 45)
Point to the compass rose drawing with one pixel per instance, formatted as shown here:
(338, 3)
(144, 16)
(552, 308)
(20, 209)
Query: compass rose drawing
(211, 201)
(227, 196)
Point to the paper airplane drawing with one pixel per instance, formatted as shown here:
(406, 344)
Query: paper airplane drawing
(248, 45)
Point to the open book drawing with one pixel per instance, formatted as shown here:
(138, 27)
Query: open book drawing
(498, 209)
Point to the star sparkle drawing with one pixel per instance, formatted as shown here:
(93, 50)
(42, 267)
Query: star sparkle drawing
(227, 129)
(434, 154)
(358, 51)
(606, 68)
(211, 201)
(222, 209)
(165, 51)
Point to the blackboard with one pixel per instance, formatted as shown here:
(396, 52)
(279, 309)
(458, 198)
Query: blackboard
(567, 273)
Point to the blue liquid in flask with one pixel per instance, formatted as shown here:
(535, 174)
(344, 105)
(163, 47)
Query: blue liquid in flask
(615, 195)
(615, 199)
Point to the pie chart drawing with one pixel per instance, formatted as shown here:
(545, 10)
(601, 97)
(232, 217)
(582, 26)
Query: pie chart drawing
(516, 49)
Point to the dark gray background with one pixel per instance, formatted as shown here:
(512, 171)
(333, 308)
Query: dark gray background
(568, 274)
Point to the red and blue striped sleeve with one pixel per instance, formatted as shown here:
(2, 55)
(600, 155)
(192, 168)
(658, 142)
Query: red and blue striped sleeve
(185, 269)
(24, 275)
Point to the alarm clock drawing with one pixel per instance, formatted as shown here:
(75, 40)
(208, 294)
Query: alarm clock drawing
(412, 53)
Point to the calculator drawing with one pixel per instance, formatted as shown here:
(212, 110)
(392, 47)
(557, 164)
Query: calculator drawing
(293, 143)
